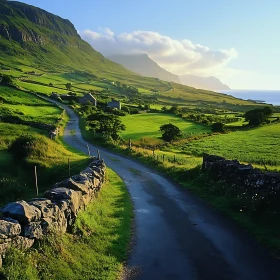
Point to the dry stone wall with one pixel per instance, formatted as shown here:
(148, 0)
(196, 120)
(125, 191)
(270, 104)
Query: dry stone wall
(22, 223)
(266, 184)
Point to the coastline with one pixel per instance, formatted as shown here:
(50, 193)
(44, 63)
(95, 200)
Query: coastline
(259, 96)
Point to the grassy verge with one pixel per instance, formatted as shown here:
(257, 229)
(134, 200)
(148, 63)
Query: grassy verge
(96, 250)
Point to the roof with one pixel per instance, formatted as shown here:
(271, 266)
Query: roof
(89, 94)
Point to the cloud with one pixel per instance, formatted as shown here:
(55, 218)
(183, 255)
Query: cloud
(177, 56)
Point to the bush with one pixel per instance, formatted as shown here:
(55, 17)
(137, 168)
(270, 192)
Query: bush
(218, 127)
(21, 148)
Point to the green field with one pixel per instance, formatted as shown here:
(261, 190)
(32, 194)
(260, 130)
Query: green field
(40, 88)
(259, 145)
(147, 125)
(14, 96)
(43, 114)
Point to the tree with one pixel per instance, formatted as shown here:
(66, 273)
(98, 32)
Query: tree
(6, 80)
(218, 127)
(106, 124)
(173, 109)
(68, 86)
(170, 132)
(258, 116)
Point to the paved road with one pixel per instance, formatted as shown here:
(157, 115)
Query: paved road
(178, 236)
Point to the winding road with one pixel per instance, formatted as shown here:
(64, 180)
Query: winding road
(178, 236)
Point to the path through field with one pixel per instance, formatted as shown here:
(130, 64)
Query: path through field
(178, 236)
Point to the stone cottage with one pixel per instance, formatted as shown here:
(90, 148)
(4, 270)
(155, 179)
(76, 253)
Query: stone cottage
(88, 98)
(114, 104)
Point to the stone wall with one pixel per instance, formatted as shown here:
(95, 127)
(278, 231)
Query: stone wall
(244, 176)
(22, 223)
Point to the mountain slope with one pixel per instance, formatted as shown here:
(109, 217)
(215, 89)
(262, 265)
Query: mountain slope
(207, 83)
(143, 65)
(35, 41)
(31, 36)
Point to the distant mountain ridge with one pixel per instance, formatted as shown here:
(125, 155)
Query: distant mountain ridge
(142, 64)
(208, 83)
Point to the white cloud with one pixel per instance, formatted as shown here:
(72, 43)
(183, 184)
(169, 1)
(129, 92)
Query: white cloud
(177, 56)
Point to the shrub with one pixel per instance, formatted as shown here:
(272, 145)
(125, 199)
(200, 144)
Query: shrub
(218, 127)
(21, 148)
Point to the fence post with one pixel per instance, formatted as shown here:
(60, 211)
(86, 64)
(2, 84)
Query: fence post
(129, 144)
(98, 154)
(88, 150)
(36, 181)
(69, 168)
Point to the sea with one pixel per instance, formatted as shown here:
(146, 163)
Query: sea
(262, 96)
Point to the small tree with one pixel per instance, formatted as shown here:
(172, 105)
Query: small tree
(68, 86)
(6, 80)
(258, 116)
(218, 127)
(170, 132)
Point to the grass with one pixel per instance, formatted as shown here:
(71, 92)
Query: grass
(44, 114)
(40, 88)
(147, 125)
(96, 250)
(15, 96)
(259, 145)
(50, 157)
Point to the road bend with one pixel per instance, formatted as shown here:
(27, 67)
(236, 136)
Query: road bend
(177, 235)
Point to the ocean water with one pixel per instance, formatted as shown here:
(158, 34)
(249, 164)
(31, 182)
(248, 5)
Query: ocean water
(269, 96)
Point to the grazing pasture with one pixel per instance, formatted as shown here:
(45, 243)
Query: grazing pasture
(15, 96)
(259, 145)
(147, 125)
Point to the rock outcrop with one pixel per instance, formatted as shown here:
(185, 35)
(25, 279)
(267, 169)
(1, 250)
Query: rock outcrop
(22, 223)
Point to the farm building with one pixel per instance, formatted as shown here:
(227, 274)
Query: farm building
(114, 104)
(88, 98)
(57, 96)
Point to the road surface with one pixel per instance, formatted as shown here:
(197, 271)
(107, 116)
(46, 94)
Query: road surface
(178, 236)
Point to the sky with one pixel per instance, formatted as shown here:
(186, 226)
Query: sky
(236, 41)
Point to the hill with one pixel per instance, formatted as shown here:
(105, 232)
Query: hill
(43, 51)
(144, 65)
(207, 83)
(32, 37)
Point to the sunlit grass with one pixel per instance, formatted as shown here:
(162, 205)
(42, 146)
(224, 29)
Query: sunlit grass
(148, 125)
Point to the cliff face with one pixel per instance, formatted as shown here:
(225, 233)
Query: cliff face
(25, 23)
(207, 83)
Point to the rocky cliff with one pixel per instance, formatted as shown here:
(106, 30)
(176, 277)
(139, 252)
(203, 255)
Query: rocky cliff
(25, 23)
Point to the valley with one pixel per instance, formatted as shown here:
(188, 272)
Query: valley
(46, 70)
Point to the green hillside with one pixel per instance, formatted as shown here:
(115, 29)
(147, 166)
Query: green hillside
(34, 41)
